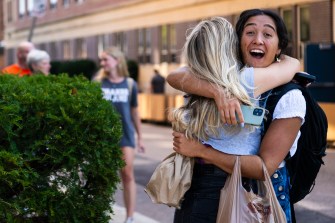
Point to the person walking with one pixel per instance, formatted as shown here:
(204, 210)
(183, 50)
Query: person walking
(20, 68)
(121, 91)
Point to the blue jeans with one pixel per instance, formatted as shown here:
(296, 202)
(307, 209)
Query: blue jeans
(281, 184)
(201, 201)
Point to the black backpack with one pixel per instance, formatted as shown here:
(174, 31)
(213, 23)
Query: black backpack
(305, 164)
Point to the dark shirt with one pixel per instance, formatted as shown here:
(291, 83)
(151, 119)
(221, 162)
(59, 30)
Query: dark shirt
(158, 84)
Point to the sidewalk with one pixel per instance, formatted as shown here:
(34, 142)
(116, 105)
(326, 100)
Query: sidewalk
(121, 215)
(120, 212)
(317, 207)
(157, 140)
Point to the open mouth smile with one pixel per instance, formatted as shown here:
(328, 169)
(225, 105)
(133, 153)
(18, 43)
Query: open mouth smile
(257, 53)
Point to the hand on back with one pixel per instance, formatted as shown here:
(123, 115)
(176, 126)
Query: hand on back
(228, 108)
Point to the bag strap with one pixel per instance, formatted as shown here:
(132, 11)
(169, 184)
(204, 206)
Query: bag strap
(130, 83)
(272, 97)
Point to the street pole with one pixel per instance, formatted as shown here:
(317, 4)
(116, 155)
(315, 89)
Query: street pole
(31, 31)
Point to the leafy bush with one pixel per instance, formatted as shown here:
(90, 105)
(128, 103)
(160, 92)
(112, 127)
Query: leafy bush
(87, 68)
(59, 154)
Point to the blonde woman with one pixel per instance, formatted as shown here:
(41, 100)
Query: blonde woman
(210, 52)
(116, 88)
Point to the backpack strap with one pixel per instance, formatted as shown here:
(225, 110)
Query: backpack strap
(130, 82)
(272, 98)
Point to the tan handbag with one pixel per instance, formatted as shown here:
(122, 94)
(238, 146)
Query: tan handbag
(240, 206)
(170, 180)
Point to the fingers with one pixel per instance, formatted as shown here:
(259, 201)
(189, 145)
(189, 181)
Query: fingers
(231, 112)
(141, 149)
(176, 140)
(177, 134)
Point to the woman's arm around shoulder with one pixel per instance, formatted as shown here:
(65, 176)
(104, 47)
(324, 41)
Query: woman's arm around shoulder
(183, 80)
(278, 73)
(275, 146)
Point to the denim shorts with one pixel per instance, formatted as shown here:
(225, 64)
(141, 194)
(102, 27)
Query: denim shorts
(201, 201)
(281, 184)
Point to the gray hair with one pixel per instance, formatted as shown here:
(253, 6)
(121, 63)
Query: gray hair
(35, 56)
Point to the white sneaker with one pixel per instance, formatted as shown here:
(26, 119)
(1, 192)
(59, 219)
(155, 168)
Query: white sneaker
(129, 220)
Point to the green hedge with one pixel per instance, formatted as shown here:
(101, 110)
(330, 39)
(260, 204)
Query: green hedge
(59, 154)
(87, 68)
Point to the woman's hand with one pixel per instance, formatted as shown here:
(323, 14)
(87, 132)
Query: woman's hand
(228, 108)
(140, 146)
(186, 147)
(183, 80)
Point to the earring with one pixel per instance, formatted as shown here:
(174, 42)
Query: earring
(277, 58)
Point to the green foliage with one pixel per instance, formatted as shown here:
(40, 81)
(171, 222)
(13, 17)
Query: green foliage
(59, 154)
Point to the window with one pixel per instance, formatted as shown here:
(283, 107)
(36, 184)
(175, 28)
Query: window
(103, 43)
(144, 45)
(66, 3)
(121, 41)
(53, 50)
(173, 44)
(9, 11)
(22, 8)
(66, 50)
(168, 44)
(81, 50)
(304, 24)
(287, 15)
(43, 46)
(164, 44)
(288, 19)
(53, 4)
(30, 6)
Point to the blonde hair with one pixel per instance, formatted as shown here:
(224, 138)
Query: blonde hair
(122, 67)
(210, 53)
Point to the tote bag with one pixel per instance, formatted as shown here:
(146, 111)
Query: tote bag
(240, 206)
(170, 180)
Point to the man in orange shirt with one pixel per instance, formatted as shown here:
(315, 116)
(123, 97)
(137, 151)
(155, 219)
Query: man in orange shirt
(21, 67)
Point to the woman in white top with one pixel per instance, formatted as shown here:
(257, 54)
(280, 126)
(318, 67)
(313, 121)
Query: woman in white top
(210, 53)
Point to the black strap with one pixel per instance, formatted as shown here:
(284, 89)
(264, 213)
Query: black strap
(272, 99)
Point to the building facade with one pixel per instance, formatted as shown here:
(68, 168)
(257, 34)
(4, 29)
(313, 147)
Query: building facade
(151, 32)
(2, 27)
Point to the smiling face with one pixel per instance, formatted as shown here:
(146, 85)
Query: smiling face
(107, 62)
(259, 41)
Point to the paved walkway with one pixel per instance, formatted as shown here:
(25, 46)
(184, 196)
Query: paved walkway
(317, 207)
(157, 140)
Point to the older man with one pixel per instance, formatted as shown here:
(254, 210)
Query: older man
(20, 68)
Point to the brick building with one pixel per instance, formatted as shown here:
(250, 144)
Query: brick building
(2, 27)
(151, 32)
